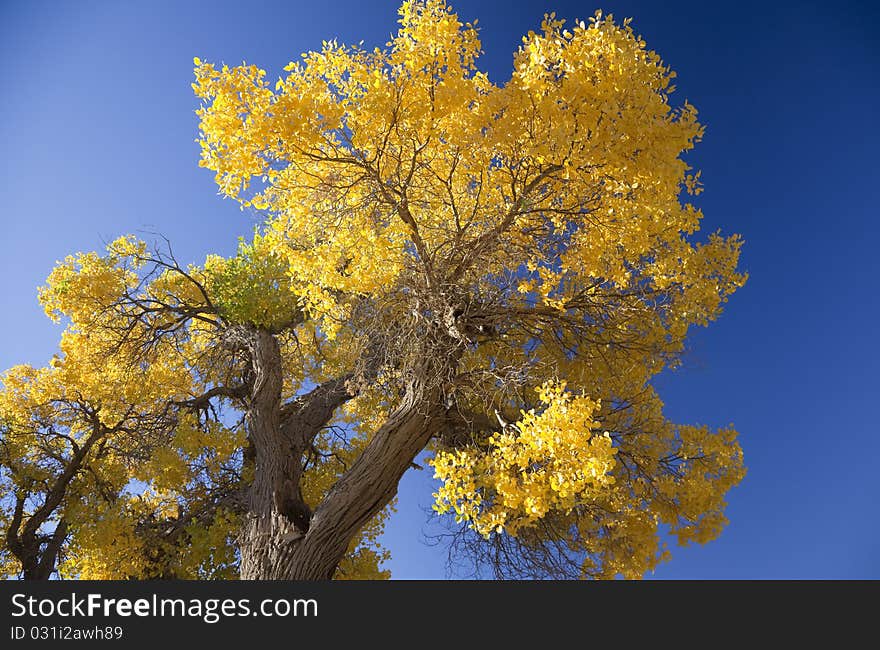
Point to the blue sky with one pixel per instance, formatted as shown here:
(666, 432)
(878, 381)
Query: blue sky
(97, 139)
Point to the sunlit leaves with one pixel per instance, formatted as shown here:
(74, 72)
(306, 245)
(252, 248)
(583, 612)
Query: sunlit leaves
(536, 235)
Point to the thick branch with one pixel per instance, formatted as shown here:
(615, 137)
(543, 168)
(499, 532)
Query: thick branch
(59, 487)
(303, 417)
(51, 551)
(203, 401)
(367, 487)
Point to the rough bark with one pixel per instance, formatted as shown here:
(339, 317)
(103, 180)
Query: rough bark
(268, 529)
(281, 539)
(367, 487)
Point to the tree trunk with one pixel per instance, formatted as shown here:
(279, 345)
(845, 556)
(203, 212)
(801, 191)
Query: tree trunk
(280, 539)
(267, 532)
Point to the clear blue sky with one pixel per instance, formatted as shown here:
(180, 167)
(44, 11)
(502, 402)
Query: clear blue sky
(97, 139)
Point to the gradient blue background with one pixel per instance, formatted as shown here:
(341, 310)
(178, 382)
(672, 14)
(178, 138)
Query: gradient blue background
(97, 139)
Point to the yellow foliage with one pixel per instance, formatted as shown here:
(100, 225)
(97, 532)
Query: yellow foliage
(404, 193)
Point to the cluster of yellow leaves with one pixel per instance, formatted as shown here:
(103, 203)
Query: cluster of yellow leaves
(693, 503)
(48, 410)
(195, 449)
(82, 286)
(370, 159)
(83, 289)
(605, 494)
(327, 223)
(548, 460)
(117, 509)
(106, 545)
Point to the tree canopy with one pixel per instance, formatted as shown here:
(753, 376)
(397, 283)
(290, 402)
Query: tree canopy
(489, 274)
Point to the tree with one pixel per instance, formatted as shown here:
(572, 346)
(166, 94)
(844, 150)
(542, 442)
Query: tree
(488, 274)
